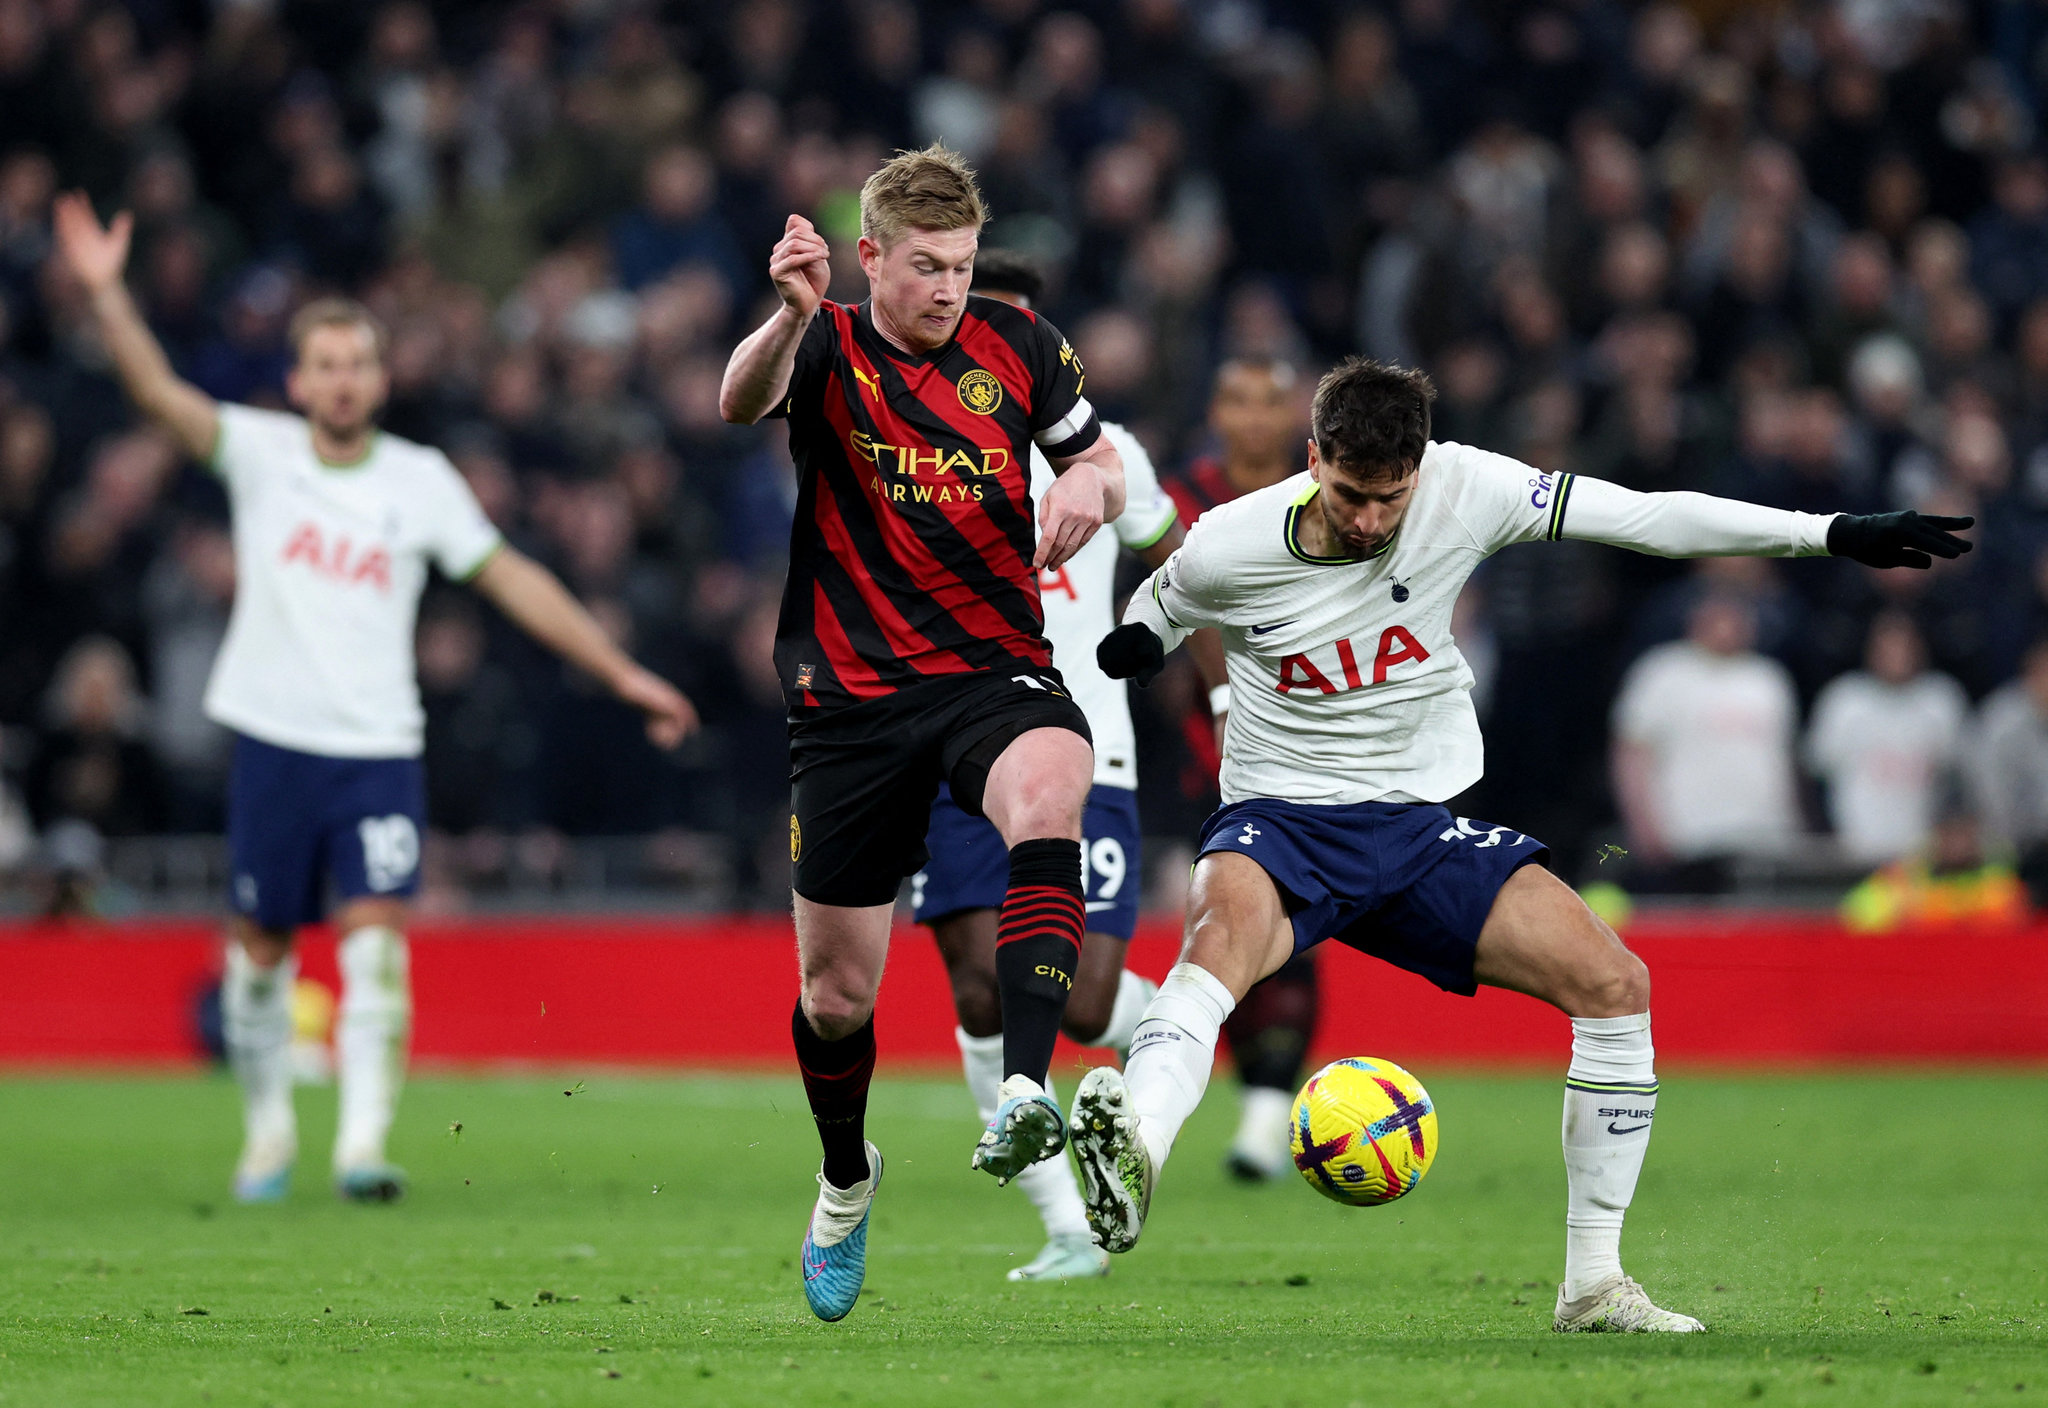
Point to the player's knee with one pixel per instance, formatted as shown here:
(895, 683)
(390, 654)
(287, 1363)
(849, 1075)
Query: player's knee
(1620, 987)
(1050, 809)
(836, 1009)
(1088, 1012)
(977, 1004)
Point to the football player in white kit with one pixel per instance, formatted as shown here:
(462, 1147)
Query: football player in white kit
(335, 524)
(961, 887)
(1352, 722)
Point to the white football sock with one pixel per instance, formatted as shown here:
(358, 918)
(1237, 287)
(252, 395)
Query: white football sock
(370, 1036)
(1172, 1052)
(1133, 995)
(1050, 1182)
(1262, 1128)
(1610, 1099)
(256, 1023)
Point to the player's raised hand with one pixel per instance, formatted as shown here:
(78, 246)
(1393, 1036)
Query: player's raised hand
(801, 265)
(671, 717)
(1069, 514)
(1905, 539)
(94, 253)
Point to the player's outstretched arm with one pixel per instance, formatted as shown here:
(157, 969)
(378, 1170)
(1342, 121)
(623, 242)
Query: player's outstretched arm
(95, 255)
(1204, 646)
(542, 607)
(1169, 606)
(1087, 492)
(757, 377)
(1700, 525)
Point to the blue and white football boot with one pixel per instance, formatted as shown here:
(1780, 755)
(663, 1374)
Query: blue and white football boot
(264, 1172)
(1028, 1127)
(1072, 1257)
(835, 1252)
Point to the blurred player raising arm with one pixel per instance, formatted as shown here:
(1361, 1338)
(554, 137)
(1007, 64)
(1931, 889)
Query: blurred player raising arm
(1352, 723)
(335, 525)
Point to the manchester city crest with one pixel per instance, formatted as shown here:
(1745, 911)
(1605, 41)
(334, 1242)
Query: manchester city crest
(980, 392)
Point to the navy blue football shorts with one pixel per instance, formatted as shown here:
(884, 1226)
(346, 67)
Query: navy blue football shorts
(300, 823)
(1406, 882)
(970, 867)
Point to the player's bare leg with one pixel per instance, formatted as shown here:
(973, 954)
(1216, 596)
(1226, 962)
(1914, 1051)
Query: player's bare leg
(1125, 1123)
(840, 953)
(1104, 992)
(372, 1033)
(256, 1023)
(1541, 939)
(1035, 794)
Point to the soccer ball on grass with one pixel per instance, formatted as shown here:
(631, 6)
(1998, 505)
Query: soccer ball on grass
(1364, 1131)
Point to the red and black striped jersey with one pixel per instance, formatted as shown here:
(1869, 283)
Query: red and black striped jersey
(911, 552)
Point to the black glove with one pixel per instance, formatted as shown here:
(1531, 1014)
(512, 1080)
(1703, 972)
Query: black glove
(1131, 652)
(1896, 539)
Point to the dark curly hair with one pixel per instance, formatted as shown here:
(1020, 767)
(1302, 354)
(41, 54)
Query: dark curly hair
(1372, 419)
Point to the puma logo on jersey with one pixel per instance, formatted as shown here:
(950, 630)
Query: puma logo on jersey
(1397, 646)
(339, 560)
(873, 385)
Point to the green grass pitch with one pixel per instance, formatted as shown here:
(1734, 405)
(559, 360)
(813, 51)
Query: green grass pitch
(1850, 1239)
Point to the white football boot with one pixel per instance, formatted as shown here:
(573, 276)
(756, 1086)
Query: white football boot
(1116, 1168)
(1620, 1306)
(1068, 1258)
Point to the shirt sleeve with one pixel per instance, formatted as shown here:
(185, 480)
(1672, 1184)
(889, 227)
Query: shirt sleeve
(1148, 512)
(1185, 593)
(813, 361)
(1682, 524)
(244, 439)
(1062, 421)
(460, 538)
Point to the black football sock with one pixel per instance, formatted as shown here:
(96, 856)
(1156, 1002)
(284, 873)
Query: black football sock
(836, 1076)
(1038, 944)
(1270, 1031)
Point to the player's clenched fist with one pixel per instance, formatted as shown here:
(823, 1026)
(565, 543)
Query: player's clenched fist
(801, 266)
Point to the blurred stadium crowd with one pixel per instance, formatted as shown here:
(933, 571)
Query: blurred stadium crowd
(1794, 253)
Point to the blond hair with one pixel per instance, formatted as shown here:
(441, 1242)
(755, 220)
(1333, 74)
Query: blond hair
(932, 189)
(334, 313)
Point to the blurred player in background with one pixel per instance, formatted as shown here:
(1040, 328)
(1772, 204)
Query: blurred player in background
(912, 647)
(1334, 591)
(335, 524)
(960, 889)
(1258, 414)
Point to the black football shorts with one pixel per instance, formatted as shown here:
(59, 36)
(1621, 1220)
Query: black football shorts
(863, 776)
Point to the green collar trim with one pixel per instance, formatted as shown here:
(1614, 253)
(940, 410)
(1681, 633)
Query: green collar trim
(1291, 532)
(369, 449)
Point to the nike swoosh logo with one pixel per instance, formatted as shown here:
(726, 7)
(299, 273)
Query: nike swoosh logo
(1097, 906)
(1261, 630)
(1615, 1129)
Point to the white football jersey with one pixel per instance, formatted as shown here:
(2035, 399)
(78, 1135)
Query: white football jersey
(1080, 603)
(1345, 683)
(330, 561)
